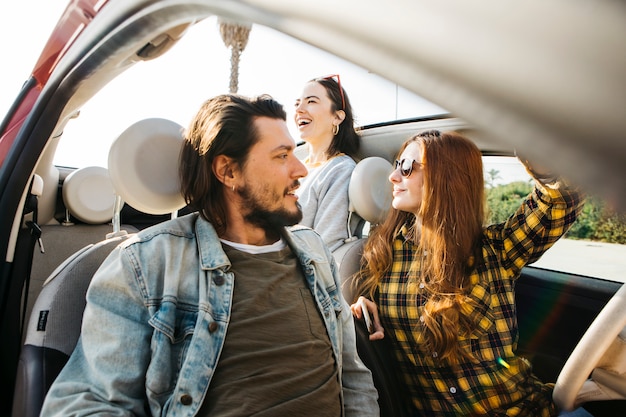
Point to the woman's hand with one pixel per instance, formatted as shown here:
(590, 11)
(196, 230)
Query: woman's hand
(537, 171)
(357, 310)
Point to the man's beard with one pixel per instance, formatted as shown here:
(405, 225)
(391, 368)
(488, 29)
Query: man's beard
(269, 220)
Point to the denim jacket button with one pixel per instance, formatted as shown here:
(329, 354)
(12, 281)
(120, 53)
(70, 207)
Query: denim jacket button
(218, 280)
(212, 327)
(186, 399)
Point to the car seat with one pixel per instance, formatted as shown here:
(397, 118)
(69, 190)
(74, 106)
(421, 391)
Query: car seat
(370, 198)
(89, 199)
(143, 167)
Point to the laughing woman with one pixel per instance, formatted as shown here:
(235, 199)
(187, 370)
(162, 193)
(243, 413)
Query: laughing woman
(443, 285)
(324, 118)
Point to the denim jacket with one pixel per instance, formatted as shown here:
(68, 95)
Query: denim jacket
(156, 319)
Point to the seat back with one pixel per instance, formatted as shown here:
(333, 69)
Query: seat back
(138, 166)
(378, 357)
(370, 199)
(58, 298)
(89, 199)
(370, 190)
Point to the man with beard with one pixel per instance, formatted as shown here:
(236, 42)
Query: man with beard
(227, 311)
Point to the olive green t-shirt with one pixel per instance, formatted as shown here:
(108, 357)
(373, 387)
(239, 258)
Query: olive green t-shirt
(277, 358)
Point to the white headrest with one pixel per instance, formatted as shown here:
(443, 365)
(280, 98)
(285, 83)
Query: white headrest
(37, 187)
(370, 190)
(143, 164)
(89, 195)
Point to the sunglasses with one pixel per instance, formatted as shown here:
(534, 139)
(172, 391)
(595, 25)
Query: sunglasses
(406, 166)
(335, 77)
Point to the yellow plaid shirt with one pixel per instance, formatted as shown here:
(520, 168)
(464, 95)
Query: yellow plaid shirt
(501, 383)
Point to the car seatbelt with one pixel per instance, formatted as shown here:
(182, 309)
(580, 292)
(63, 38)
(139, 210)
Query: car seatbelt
(30, 206)
(11, 323)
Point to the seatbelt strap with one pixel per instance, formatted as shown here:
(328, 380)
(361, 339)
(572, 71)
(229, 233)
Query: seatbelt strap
(30, 206)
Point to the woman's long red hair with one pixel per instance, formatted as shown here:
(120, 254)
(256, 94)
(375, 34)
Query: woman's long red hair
(447, 228)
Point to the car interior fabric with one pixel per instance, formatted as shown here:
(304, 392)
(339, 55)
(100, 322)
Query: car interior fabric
(60, 242)
(350, 265)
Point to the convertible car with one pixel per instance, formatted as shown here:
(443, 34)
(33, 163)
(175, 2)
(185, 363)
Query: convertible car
(543, 78)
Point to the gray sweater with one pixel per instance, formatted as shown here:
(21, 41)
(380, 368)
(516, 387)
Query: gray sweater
(323, 196)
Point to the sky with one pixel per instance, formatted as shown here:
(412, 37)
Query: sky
(175, 85)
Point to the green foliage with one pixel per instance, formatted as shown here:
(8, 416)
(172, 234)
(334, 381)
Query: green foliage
(585, 225)
(596, 221)
(503, 200)
(611, 227)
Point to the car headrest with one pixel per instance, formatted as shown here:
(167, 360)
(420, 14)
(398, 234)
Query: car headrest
(143, 165)
(89, 195)
(370, 191)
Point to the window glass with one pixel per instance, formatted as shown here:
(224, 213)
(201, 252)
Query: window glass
(595, 246)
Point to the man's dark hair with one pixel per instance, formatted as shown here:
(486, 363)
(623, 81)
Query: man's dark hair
(224, 125)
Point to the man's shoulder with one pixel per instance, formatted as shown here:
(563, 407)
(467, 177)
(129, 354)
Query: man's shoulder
(184, 224)
(305, 235)
(183, 227)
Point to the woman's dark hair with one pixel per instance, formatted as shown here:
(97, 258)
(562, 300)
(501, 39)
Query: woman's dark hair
(224, 125)
(347, 140)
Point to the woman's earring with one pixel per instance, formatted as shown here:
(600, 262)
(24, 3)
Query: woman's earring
(335, 129)
(233, 188)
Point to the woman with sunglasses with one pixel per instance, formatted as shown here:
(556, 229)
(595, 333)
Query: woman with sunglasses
(324, 118)
(443, 285)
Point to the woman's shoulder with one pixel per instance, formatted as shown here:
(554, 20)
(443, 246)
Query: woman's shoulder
(337, 169)
(341, 162)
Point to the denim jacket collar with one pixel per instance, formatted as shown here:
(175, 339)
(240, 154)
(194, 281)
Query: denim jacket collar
(211, 254)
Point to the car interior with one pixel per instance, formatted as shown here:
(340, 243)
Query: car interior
(98, 208)
(60, 222)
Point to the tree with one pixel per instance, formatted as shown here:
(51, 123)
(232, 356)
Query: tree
(503, 200)
(235, 36)
(491, 177)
